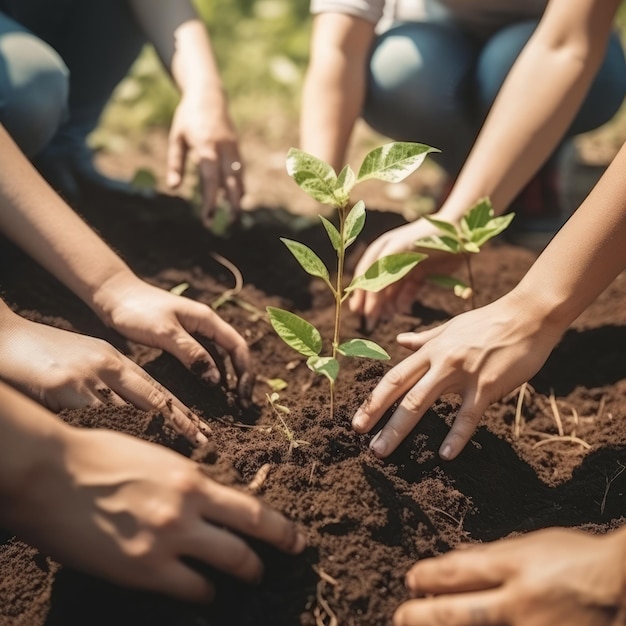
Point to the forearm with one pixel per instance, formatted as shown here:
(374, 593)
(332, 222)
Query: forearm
(35, 218)
(335, 84)
(536, 104)
(32, 447)
(585, 256)
(183, 44)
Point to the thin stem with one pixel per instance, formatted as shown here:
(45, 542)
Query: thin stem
(470, 278)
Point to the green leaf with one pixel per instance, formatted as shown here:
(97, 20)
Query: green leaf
(363, 348)
(314, 176)
(345, 182)
(443, 243)
(385, 271)
(479, 215)
(494, 227)
(354, 223)
(443, 226)
(394, 161)
(324, 365)
(444, 280)
(296, 332)
(310, 262)
(333, 233)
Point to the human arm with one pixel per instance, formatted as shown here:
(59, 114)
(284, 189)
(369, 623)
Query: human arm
(125, 510)
(38, 221)
(334, 86)
(486, 353)
(554, 576)
(535, 107)
(202, 126)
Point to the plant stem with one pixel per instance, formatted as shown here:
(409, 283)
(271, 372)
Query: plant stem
(470, 278)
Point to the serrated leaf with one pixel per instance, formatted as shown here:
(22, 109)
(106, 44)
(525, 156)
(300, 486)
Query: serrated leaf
(355, 221)
(394, 161)
(296, 332)
(363, 348)
(309, 261)
(324, 365)
(386, 271)
(314, 176)
(333, 233)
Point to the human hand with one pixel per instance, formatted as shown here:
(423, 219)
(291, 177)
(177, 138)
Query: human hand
(157, 318)
(202, 126)
(398, 297)
(134, 513)
(548, 577)
(66, 370)
(481, 355)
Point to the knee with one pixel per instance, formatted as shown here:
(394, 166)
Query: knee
(419, 72)
(34, 93)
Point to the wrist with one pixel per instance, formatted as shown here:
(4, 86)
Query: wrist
(112, 292)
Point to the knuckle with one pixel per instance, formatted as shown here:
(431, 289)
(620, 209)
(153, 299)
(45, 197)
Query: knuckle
(413, 401)
(396, 377)
(240, 559)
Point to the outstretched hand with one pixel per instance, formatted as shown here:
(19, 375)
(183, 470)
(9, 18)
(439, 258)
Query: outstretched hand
(398, 297)
(204, 129)
(545, 578)
(67, 370)
(481, 355)
(157, 318)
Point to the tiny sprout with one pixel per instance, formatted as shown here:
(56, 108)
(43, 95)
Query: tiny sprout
(392, 163)
(280, 410)
(179, 289)
(476, 227)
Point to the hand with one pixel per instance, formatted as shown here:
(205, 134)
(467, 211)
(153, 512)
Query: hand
(131, 512)
(157, 318)
(398, 297)
(202, 126)
(66, 370)
(480, 355)
(549, 577)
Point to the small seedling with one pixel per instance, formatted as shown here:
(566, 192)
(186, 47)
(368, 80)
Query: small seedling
(280, 410)
(391, 163)
(476, 227)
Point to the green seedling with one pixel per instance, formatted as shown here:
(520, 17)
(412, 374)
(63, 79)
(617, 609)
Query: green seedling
(280, 410)
(476, 227)
(390, 163)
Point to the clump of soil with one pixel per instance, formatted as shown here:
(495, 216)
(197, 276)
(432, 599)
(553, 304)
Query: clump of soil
(367, 520)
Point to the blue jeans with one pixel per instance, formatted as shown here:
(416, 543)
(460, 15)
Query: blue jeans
(434, 83)
(60, 60)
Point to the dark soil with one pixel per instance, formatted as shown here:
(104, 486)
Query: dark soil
(367, 520)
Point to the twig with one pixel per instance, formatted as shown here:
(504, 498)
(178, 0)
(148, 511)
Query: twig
(557, 415)
(458, 522)
(570, 438)
(518, 409)
(608, 485)
(601, 407)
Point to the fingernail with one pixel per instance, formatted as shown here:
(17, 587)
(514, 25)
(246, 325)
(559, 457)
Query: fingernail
(211, 376)
(201, 439)
(378, 445)
(300, 543)
(358, 421)
(446, 452)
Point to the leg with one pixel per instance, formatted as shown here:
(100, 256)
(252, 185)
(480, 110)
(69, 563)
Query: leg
(419, 88)
(33, 87)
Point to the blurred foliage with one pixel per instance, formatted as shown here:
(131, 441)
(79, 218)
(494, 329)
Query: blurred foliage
(262, 50)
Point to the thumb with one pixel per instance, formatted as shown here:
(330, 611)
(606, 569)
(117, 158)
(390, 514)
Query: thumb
(414, 341)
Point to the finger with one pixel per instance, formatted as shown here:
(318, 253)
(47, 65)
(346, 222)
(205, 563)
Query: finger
(183, 582)
(209, 183)
(372, 307)
(176, 157)
(355, 302)
(137, 387)
(464, 426)
(248, 515)
(485, 608)
(108, 396)
(232, 175)
(414, 341)
(392, 385)
(473, 568)
(409, 412)
(78, 397)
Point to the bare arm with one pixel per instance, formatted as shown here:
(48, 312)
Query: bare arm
(335, 83)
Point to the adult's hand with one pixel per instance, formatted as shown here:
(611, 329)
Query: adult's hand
(67, 370)
(549, 577)
(481, 355)
(129, 511)
(157, 318)
(202, 126)
(398, 297)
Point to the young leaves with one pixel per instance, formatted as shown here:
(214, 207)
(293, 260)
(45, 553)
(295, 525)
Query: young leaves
(296, 332)
(393, 162)
(385, 271)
